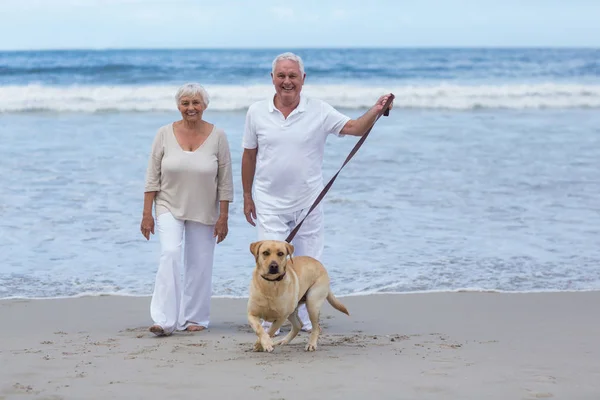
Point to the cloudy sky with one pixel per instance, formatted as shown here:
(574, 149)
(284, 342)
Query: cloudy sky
(98, 24)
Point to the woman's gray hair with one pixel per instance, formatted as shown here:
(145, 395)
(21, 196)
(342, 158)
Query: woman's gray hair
(291, 57)
(192, 89)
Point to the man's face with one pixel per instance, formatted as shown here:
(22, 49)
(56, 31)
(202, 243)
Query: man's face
(288, 80)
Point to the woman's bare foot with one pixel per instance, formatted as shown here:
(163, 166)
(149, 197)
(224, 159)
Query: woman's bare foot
(195, 328)
(158, 330)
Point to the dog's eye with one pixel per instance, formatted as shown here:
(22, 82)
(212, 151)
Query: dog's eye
(280, 254)
(266, 253)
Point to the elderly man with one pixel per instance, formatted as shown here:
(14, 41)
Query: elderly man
(284, 142)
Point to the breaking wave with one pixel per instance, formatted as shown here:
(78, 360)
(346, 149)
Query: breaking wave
(104, 98)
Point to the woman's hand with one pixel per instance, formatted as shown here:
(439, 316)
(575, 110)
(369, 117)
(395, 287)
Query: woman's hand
(221, 229)
(147, 226)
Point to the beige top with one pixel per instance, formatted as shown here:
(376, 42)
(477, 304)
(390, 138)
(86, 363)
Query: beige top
(190, 184)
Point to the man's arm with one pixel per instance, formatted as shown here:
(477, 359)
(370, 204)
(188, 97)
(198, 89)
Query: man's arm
(248, 169)
(360, 126)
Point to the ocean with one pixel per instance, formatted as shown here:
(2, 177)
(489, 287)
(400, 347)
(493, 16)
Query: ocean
(485, 176)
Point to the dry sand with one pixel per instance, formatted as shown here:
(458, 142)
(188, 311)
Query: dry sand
(416, 346)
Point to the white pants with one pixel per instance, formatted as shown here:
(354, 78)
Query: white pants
(307, 242)
(176, 302)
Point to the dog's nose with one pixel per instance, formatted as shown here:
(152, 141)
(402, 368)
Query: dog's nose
(273, 268)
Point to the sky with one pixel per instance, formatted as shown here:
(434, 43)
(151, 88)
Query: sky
(102, 24)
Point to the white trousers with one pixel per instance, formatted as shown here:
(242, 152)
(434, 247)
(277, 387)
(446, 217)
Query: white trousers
(183, 285)
(309, 241)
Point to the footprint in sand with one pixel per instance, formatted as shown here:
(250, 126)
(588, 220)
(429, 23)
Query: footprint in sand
(24, 389)
(450, 345)
(145, 350)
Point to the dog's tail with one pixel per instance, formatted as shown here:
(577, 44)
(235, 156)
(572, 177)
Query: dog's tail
(335, 303)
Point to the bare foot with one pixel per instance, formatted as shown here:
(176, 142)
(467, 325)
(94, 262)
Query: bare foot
(158, 330)
(195, 328)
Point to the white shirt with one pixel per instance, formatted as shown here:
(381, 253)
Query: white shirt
(288, 174)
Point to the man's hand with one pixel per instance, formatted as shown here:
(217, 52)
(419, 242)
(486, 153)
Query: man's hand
(358, 127)
(381, 102)
(249, 209)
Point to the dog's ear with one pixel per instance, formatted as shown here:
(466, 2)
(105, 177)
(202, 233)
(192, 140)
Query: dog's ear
(290, 249)
(254, 248)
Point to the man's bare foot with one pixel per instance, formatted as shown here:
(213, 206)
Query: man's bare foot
(195, 328)
(158, 330)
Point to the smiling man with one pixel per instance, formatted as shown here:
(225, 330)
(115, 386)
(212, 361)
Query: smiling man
(284, 141)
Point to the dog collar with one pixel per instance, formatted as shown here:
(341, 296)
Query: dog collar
(279, 278)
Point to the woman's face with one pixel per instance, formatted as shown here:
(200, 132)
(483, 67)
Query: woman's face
(191, 108)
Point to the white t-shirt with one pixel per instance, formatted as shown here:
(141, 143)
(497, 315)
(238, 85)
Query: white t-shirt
(288, 175)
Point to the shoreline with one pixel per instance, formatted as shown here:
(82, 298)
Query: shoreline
(358, 294)
(427, 346)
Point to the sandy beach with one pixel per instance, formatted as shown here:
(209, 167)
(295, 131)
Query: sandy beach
(402, 346)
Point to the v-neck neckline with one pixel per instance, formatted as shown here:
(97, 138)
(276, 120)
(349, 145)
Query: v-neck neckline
(197, 148)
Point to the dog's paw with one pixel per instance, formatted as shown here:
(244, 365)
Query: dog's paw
(268, 348)
(311, 347)
(264, 345)
(281, 342)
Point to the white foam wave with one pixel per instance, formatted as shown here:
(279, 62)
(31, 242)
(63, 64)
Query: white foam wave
(345, 295)
(31, 98)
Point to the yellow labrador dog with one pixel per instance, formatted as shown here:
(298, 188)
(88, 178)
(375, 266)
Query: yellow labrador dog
(279, 284)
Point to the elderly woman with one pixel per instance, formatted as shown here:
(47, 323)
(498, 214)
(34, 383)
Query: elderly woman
(190, 182)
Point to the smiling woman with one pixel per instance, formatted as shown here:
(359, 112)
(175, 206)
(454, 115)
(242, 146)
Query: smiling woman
(191, 131)
(188, 174)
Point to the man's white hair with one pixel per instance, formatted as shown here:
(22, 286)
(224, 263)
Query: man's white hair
(191, 90)
(291, 57)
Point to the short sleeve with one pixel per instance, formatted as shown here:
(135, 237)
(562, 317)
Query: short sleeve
(333, 120)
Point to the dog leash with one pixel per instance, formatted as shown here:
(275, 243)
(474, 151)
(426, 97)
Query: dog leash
(385, 111)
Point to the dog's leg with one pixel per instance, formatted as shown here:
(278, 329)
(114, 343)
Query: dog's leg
(263, 342)
(296, 326)
(275, 325)
(314, 301)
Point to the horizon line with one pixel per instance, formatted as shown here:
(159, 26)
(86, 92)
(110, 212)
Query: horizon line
(230, 48)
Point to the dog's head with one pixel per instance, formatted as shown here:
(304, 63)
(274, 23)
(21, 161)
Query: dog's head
(271, 257)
